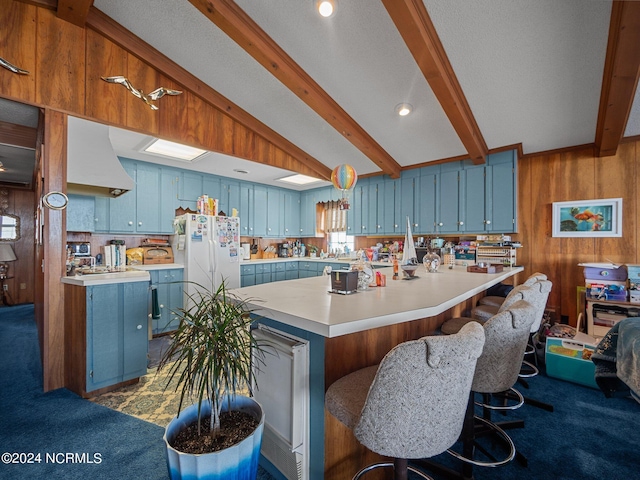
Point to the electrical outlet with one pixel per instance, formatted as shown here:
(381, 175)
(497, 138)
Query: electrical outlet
(5, 287)
(23, 286)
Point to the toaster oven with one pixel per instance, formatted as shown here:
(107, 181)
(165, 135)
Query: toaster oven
(79, 249)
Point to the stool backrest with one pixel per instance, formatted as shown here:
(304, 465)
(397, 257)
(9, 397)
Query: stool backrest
(506, 336)
(416, 404)
(538, 299)
(536, 277)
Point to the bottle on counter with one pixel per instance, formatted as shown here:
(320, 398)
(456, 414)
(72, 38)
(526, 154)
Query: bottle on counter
(395, 267)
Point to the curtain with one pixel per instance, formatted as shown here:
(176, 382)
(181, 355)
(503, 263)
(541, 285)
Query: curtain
(334, 218)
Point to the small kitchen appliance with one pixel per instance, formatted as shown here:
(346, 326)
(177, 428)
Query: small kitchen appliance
(285, 250)
(344, 281)
(79, 249)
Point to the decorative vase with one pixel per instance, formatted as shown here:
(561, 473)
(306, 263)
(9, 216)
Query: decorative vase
(431, 262)
(238, 462)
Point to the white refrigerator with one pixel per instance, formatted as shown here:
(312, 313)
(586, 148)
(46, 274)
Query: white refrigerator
(208, 247)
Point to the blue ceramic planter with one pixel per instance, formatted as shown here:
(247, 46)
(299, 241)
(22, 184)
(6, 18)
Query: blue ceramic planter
(239, 462)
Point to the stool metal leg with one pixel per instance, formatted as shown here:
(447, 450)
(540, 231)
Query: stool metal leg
(400, 469)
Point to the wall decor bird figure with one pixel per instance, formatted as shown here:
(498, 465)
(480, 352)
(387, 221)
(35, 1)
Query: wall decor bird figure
(12, 67)
(146, 98)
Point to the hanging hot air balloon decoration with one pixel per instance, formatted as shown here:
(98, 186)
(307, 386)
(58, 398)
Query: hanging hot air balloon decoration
(344, 178)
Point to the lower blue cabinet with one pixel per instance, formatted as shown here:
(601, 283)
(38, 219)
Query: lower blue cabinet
(116, 333)
(170, 298)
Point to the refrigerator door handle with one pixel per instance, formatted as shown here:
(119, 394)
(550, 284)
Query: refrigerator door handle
(213, 257)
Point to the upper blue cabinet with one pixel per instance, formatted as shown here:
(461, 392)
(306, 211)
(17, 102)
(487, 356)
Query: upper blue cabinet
(450, 198)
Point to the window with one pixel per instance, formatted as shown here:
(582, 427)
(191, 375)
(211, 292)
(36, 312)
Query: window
(340, 242)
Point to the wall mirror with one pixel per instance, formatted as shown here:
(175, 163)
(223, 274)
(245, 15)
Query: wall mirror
(9, 228)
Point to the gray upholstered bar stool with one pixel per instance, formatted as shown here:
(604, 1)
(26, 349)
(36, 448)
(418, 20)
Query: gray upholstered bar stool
(506, 335)
(413, 404)
(496, 301)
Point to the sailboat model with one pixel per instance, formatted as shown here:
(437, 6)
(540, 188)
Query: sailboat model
(409, 262)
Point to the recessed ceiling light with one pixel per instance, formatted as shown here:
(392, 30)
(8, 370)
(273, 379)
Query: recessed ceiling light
(404, 109)
(326, 8)
(298, 179)
(2, 169)
(174, 150)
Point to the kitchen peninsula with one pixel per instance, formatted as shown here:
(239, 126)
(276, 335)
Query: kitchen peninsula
(349, 332)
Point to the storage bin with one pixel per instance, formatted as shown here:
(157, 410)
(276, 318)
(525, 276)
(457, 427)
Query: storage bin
(607, 290)
(570, 360)
(605, 273)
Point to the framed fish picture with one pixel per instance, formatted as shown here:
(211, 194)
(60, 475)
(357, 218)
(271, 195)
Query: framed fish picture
(588, 218)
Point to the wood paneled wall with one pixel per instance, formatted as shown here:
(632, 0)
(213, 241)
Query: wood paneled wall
(575, 175)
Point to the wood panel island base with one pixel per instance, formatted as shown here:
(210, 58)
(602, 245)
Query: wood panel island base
(349, 332)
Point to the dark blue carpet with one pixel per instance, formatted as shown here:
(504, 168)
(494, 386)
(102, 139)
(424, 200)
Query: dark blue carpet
(45, 427)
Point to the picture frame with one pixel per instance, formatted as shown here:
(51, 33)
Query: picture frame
(588, 218)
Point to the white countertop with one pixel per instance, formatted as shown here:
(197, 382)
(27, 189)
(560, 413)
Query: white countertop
(107, 278)
(308, 305)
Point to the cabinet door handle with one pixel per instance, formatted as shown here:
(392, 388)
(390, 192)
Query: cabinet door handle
(488, 222)
(130, 223)
(161, 306)
(139, 224)
(440, 224)
(460, 223)
(395, 226)
(139, 327)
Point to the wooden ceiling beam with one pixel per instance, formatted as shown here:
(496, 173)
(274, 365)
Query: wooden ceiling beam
(620, 78)
(74, 11)
(417, 30)
(112, 30)
(232, 20)
(18, 135)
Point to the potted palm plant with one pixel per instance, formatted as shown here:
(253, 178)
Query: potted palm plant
(210, 356)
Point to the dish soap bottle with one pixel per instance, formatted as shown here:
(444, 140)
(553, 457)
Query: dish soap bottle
(395, 267)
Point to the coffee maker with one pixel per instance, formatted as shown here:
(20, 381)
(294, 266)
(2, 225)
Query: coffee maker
(285, 250)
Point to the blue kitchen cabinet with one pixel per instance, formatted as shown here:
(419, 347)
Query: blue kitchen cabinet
(260, 210)
(278, 271)
(307, 269)
(308, 201)
(448, 200)
(291, 270)
(116, 333)
(474, 219)
(247, 275)
(501, 196)
(211, 187)
(389, 206)
(189, 189)
(102, 208)
(263, 273)
(291, 215)
(425, 201)
(489, 195)
(148, 178)
(231, 194)
(122, 209)
(246, 211)
(81, 213)
(361, 213)
(275, 212)
(372, 212)
(168, 200)
(170, 293)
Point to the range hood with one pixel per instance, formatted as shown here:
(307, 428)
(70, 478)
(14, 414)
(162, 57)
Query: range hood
(92, 166)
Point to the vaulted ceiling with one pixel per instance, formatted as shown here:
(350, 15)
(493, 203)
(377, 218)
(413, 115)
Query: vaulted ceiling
(481, 75)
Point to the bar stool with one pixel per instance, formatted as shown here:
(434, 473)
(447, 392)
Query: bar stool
(413, 404)
(496, 301)
(506, 335)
